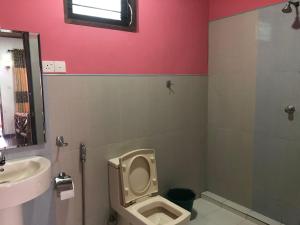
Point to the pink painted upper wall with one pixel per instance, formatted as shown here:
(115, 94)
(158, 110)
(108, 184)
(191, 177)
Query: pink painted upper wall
(224, 8)
(172, 37)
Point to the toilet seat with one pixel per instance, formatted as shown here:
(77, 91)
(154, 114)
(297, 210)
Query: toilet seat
(138, 175)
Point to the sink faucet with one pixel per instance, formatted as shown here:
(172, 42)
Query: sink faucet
(2, 158)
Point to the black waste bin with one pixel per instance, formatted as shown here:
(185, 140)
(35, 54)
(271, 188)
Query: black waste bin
(182, 197)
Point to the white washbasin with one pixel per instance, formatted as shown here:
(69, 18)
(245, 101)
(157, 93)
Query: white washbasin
(23, 180)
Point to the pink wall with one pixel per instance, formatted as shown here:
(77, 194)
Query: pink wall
(172, 37)
(223, 8)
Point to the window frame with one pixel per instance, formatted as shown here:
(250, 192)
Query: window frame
(124, 25)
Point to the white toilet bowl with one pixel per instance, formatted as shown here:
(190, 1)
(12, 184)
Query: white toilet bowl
(159, 211)
(133, 188)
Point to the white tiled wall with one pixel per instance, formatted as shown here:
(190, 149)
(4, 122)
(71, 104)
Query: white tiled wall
(231, 108)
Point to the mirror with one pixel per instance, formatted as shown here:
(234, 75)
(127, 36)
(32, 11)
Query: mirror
(21, 92)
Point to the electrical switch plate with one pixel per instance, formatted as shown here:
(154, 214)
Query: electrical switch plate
(60, 66)
(48, 66)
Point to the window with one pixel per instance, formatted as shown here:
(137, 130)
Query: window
(114, 14)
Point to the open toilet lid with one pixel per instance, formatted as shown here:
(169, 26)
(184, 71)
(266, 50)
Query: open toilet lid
(138, 174)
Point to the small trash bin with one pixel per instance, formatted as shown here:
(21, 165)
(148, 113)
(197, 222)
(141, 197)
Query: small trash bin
(182, 197)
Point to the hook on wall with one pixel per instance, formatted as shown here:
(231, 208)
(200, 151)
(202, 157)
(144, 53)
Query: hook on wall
(290, 110)
(60, 142)
(169, 85)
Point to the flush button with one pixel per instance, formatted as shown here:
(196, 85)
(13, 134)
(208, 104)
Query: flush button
(152, 158)
(154, 181)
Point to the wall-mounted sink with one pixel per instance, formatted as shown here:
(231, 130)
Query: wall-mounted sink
(21, 181)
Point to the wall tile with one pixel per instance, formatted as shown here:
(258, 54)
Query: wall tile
(113, 115)
(276, 153)
(231, 108)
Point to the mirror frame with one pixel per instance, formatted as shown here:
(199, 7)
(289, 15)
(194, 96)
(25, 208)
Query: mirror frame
(37, 138)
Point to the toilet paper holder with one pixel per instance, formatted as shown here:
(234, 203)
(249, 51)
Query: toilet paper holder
(63, 182)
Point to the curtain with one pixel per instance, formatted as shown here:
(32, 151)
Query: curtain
(21, 82)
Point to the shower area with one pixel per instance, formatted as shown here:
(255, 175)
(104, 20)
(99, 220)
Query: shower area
(253, 114)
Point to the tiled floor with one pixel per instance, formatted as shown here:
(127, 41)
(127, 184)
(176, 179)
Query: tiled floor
(211, 214)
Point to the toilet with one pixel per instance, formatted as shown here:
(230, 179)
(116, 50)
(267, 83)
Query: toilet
(133, 189)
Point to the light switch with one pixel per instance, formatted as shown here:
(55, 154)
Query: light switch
(60, 66)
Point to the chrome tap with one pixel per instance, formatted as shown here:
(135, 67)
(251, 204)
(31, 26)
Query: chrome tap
(2, 158)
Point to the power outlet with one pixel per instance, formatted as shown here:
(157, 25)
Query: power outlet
(59, 66)
(48, 66)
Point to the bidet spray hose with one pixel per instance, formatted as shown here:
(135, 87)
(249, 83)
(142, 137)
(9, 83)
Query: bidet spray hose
(83, 160)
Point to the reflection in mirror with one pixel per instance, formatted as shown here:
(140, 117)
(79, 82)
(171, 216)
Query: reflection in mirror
(21, 103)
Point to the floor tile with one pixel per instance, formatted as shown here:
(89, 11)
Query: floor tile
(204, 207)
(199, 220)
(225, 217)
(247, 222)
